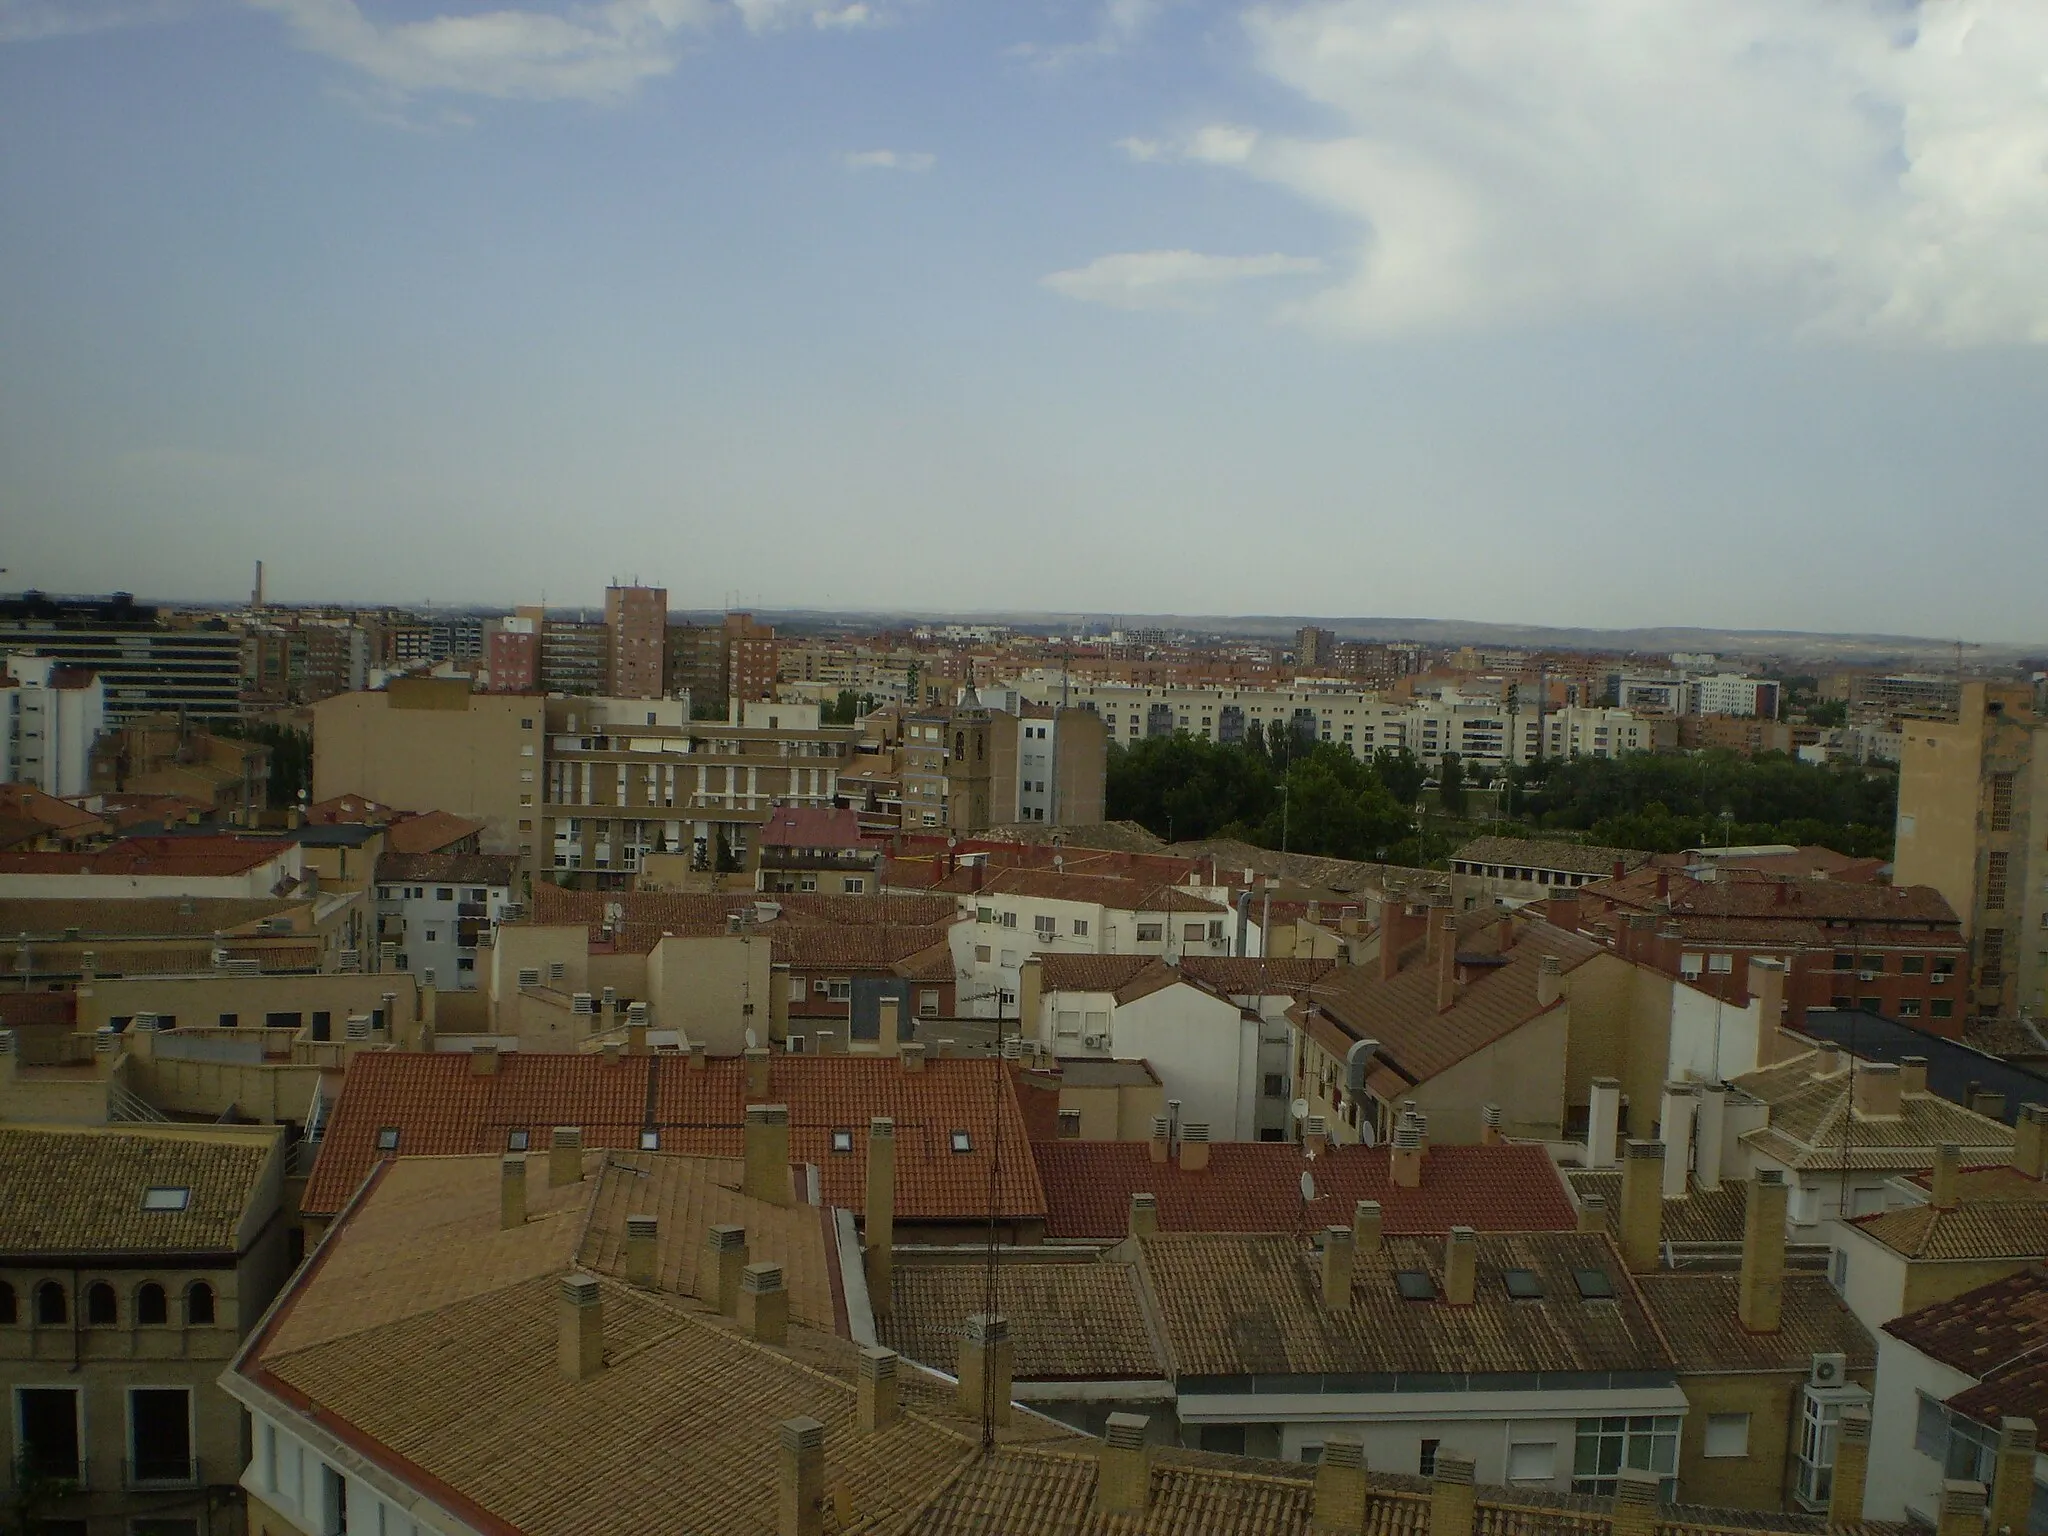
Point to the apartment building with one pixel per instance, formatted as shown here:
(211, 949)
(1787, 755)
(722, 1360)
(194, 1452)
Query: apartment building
(813, 849)
(166, 755)
(436, 910)
(1973, 807)
(636, 619)
(1499, 870)
(512, 656)
(134, 1259)
(696, 664)
(149, 665)
(752, 663)
(50, 717)
(1049, 766)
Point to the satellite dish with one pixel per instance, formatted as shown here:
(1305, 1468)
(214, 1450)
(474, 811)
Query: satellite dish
(1308, 1187)
(752, 1043)
(1299, 1109)
(1365, 1133)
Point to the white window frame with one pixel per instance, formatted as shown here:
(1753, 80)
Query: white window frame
(191, 1431)
(1733, 1442)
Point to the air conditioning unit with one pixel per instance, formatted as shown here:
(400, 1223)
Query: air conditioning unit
(1096, 1042)
(1829, 1371)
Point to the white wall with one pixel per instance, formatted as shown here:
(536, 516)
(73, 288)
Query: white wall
(1901, 1478)
(1201, 1046)
(1711, 1040)
(46, 734)
(1875, 1286)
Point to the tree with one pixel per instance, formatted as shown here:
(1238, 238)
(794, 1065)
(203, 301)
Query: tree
(727, 862)
(1401, 771)
(1450, 779)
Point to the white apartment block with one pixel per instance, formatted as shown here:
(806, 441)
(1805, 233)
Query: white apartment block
(50, 715)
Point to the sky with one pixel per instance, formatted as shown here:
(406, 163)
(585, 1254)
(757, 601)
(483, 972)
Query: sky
(1597, 312)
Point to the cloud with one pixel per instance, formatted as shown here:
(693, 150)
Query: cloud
(1869, 169)
(1169, 279)
(887, 160)
(772, 15)
(1119, 24)
(27, 21)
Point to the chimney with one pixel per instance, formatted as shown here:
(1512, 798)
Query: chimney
(1710, 1132)
(2012, 1476)
(1489, 1125)
(1339, 1499)
(1642, 1205)
(1144, 1216)
(579, 1338)
(1160, 1132)
(1988, 1102)
(985, 1362)
(1603, 1122)
(725, 1260)
(641, 1235)
(1549, 981)
(1637, 1497)
(1505, 933)
(1123, 1467)
(1681, 1108)
(1876, 1095)
(1406, 1158)
(766, 1174)
(1447, 964)
(1563, 912)
(1852, 1467)
(1761, 1296)
(1451, 1495)
(1461, 1266)
(800, 1479)
(512, 1191)
(1912, 1074)
(483, 1061)
(697, 1055)
(614, 1053)
(2030, 1140)
(1948, 1168)
(1194, 1148)
(881, 1214)
(1366, 1227)
(1767, 986)
(912, 1054)
(876, 1389)
(888, 1027)
(565, 1157)
(636, 1039)
(757, 1073)
(764, 1303)
(1962, 1509)
(1339, 1258)
(1592, 1213)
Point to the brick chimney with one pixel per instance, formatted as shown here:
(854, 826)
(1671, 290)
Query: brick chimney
(1680, 1110)
(1592, 1213)
(1642, 1205)
(1603, 1121)
(725, 1259)
(1505, 932)
(1160, 1138)
(766, 1175)
(1549, 981)
(1339, 1259)
(880, 1220)
(1340, 1494)
(1767, 986)
(642, 1244)
(1852, 1467)
(1123, 1467)
(1489, 1125)
(1194, 1147)
(565, 1157)
(876, 1404)
(483, 1061)
(613, 1053)
(1461, 1267)
(512, 1191)
(1447, 963)
(764, 1303)
(1638, 1496)
(1563, 911)
(1876, 1094)
(800, 1478)
(757, 1073)
(1451, 1495)
(912, 1055)
(1144, 1215)
(579, 1334)
(1760, 1297)
(2030, 1140)
(697, 1056)
(1406, 1157)
(986, 1357)
(636, 1039)
(2012, 1476)
(1962, 1509)
(1948, 1169)
(1912, 1074)
(1366, 1227)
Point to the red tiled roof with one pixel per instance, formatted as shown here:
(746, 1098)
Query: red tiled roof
(1994, 1333)
(813, 826)
(648, 914)
(1255, 1186)
(500, 869)
(441, 1106)
(1241, 976)
(54, 815)
(1118, 892)
(835, 944)
(200, 856)
(1088, 973)
(352, 809)
(429, 832)
(1781, 900)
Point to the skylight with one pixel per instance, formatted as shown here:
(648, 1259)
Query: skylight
(1414, 1285)
(517, 1141)
(1594, 1284)
(842, 1141)
(650, 1141)
(1522, 1284)
(962, 1142)
(387, 1139)
(166, 1197)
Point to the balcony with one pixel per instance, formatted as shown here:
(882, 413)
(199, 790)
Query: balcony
(147, 1474)
(64, 1476)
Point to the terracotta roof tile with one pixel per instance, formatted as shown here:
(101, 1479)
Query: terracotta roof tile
(429, 832)
(1253, 976)
(1700, 1216)
(1814, 1126)
(1069, 1321)
(455, 868)
(1254, 1186)
(1546, 853)
(81, 1191)
(1088, 973)
(1995, 1334)
(1973, 1229)
(1827, 900)
(198, 857)
(1697, 1315)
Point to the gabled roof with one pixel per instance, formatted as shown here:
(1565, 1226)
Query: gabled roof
(441, 1107)
(1115, 892)
(1070, 1321)
(1698, 1216)
(79, 1191)
(1973, 1230)
(56, 816)
(1995, 1334)
(1548, 853)
(811, 826)
(429, 832)
(1813, 1124)
(1255, 976)
(1675, 894)
(198, 856)
(1697, 1314)
(499, 869)
(644, 916)
(1255, 1186)
(1088, 973)
(51, 919)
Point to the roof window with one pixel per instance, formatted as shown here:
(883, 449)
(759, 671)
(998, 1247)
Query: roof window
(517, 1141)
(1594, 1284)
(650, 1141)
(842, 1141)
(1522, 1284)
(962, 1142)
(166, 1197)
(387, 1138)
(1414, 1285)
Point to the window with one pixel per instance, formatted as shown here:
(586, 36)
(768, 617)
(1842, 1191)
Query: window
(1532, 1462)
(101, 1310)
(1720, 965)
(1941, 1008)
(8, 1315)
(1944, 967)
(1522, 1284)
(1844, 961)
(928, 1004)
(842, 1141)
(962, 1142)
(1909, 1008)
(230, 1020)
(2001, 802)
(1080, 927)
(1727, 1434)
(839, 989)
(47, 1418)
(1070, 1125)
(1044, 927)
(387, 1139)
(1930, 1427)
(1994, 956)
(1819, 1426)
(1414, 1285)
(1995, 865)
(1151, 933)
(1913, 965)
(152, 1309)
(1594, 1284)
(650, 1141)
(52, 1305)
(160, 1436)
(855, 884)
(1425, 1463)
(199, 1305)
(1644, 1442)
(982, 953)
(1275, 1085)
(1838, 1269)
(444, 893)
(166, 1197)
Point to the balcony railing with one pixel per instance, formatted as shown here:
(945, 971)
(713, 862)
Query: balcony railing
(146, 1473)
(64, 1477)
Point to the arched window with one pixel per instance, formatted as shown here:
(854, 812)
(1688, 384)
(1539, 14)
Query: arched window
(152, 1309)
(6, 1302)
(960, 746)
(51, 1306)
(199, 1304)
(100, 1308)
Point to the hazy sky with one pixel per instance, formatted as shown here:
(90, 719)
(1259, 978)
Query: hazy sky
(1727, 312)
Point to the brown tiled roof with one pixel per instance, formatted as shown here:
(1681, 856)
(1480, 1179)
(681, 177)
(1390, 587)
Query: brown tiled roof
(1118, 893)
(1996, 1334)
(1069, 1321)
(1544, 853)
(19, 831)
(1700, 1216)
(1973, 1229)
(456, 868)
(1238, 1305)
(1697, 1313)
(442, 1107)
(1416, 1041)
(1813, 1126)
(20, 1010)
(1788, 900)
(805, 826)
(80, 1191)
(1992, 1181)
(429, 832)
(1088, 973)
(189, 856)
(1255, 1186)
(932, 963)
(1240, 977)
(49, 918)
(834, 944)
(648, 914)
(47, 812)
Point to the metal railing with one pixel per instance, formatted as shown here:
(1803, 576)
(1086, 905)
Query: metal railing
(61, 1478)
(126, 1105)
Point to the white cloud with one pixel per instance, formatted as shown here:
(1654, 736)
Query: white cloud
(27, 21)
(887, 160)
(772, 15)
(1169, 279)
(1119, 24)
(1864, 168)
(1143, 150)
